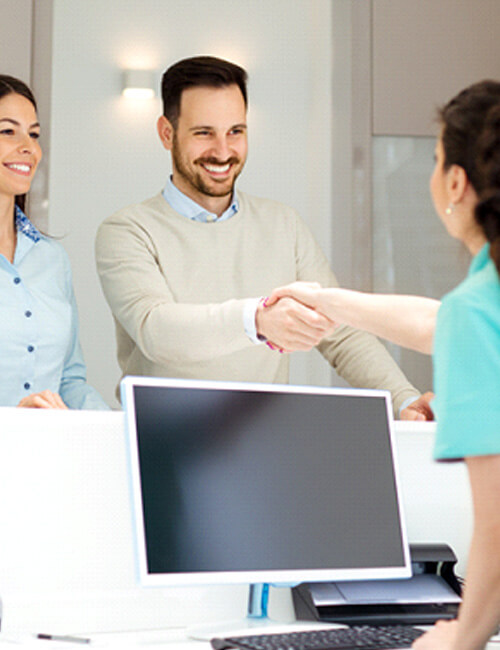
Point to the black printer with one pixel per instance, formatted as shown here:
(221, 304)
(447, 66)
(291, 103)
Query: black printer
(432, 593)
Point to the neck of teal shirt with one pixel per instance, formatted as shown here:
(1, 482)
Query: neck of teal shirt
(480, 260)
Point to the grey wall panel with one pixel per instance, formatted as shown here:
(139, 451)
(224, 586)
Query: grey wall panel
(423, 53)
(15, 38)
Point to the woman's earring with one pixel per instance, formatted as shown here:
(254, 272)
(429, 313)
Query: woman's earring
(450, 209)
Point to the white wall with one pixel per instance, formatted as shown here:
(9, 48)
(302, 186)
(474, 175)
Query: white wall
(104, 149)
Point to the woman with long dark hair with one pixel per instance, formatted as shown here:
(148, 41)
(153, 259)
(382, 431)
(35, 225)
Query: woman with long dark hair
(463, 333)
(41, 364)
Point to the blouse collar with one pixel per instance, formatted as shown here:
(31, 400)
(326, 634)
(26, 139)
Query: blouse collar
(24, 225)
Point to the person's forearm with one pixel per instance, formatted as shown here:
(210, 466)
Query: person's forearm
(170, 332)
(480, 611)
(408, 321)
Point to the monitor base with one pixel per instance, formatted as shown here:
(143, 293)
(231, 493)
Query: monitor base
(256, 621)
(236, 627)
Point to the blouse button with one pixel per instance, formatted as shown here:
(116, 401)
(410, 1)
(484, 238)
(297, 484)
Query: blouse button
(30, 348)
(27, 385)
(27, 313)
(17, 280)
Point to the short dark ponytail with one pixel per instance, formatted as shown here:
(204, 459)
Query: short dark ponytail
(488, 164)
(462, 120)
(471, 139)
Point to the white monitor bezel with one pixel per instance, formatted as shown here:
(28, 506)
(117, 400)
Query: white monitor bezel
(292, 576)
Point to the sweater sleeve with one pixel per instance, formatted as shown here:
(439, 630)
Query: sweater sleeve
(143, 303)
(356, 356)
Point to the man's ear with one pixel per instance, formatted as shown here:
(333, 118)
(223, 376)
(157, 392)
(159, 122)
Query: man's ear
(165, 131)
(457, 183)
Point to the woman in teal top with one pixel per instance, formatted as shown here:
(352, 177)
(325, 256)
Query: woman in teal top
(467, 364)
(463, 332)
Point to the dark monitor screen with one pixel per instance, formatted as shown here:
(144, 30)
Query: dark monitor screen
(262, 483)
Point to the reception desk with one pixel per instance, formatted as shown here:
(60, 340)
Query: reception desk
(66, 542)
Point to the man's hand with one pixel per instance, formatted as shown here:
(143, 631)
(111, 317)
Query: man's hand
(420, 409)
(44, 400)
(440, 637)
(291, 326)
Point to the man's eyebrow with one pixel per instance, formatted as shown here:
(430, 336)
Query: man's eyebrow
(202, 127)
(16, 123)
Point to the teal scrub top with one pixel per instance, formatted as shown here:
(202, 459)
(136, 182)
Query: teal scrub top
(467, 365)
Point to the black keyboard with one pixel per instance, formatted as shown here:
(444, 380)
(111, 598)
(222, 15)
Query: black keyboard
(362, 637)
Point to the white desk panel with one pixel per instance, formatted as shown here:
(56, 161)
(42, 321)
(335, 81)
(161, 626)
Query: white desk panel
(436, 496)
(66, 546)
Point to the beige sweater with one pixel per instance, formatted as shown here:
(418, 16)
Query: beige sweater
(177, 290)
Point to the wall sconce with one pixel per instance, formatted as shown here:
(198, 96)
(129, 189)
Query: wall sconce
(138, 84)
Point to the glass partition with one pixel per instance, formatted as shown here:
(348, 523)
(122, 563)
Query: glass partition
(412, 252)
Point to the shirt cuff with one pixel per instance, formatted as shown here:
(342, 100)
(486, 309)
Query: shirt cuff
(406, 403)
(249, 311)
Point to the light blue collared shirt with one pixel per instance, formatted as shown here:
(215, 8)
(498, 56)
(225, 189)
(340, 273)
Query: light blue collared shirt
(188, 208)
(39, 324)
(192, 210)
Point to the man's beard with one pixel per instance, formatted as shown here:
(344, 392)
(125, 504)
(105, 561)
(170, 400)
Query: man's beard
(195, 178)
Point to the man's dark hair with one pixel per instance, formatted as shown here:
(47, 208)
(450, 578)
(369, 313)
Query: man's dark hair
(198, 71)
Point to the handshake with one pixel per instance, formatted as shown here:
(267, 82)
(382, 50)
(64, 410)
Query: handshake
(290, 318)
(299, 315)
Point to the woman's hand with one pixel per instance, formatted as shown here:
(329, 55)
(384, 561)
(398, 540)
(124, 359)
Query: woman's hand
(46, 399)
(304, 292)
(441, 637)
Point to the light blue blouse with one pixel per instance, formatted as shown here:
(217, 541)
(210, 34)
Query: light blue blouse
(39, 324)
(467, 365)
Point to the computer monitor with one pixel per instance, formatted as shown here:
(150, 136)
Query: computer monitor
(258, 483)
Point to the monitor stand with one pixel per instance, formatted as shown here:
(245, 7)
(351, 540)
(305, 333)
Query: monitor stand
(256, 618)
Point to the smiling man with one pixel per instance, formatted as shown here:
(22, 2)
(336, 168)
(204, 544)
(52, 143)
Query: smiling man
(185, 272)
(208, 141)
